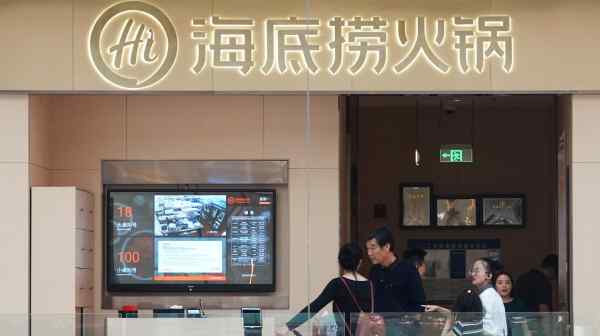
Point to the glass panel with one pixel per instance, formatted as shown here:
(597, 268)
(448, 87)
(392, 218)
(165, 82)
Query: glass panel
(269, 323)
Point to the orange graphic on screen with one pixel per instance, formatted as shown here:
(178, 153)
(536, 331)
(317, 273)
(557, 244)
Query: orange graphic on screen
(201, 277)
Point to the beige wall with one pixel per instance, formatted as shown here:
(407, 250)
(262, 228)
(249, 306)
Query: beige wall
(316, 181)
(14, 204)
(585, 186)
(48, 47)
(82, 130)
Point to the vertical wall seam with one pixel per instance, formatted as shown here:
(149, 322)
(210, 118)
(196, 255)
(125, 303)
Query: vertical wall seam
(125, 143)
(29, 233)
(72, 44)
(307, 142)
(29, 132)
(263, 127)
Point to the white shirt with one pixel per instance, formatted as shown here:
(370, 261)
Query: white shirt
(494, 318)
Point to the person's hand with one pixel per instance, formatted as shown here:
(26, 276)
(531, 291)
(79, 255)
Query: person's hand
(431, 308)
(282, 331)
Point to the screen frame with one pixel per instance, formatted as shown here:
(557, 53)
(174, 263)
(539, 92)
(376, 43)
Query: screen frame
(245, 311)
(108, 255)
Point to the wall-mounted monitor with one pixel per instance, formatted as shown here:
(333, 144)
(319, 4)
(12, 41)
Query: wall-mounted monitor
(200, 240)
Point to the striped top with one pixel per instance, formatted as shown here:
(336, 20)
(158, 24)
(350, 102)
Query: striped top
(474, 328)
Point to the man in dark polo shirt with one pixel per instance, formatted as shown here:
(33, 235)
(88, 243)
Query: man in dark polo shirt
(398, 287)
(535, 287)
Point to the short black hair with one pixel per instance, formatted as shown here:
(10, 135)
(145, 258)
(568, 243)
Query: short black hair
(468, 306)
(550, 262)
(383, 236)
(415, 256)
(349, 256)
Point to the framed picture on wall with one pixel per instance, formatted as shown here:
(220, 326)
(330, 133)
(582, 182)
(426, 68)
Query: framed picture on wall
(503, 210)
(456, 211)
(415, 205)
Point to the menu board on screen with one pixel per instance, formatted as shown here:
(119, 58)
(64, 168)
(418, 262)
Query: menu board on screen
(193, 240)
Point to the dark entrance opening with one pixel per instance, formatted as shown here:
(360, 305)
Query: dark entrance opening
(512, 197)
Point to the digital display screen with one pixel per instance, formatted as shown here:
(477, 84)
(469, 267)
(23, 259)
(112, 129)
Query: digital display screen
(201, 240)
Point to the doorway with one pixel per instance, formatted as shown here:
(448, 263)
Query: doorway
(520, 148)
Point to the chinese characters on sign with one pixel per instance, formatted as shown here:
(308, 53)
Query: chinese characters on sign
(135, 45)
(226, 46)
(232, 44)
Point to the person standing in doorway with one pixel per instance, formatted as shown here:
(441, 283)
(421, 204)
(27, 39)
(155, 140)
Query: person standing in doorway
(351, 293)
(504, 284)
(397, 284)
(494, 319)
(535, 286)
(514, 307)
(465, 318)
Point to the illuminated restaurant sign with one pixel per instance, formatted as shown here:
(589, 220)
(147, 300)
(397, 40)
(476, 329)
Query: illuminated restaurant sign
(135, 45)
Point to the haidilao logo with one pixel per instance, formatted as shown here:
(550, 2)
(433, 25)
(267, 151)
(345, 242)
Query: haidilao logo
(133, 45)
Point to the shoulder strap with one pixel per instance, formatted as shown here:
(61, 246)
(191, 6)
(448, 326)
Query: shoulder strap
(344, 319)
(351, 294)
(354, 297)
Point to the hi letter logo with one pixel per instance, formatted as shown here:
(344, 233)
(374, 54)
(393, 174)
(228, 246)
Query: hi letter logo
(133, 45)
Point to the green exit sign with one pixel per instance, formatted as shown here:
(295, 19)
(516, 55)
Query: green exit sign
(456, 154)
